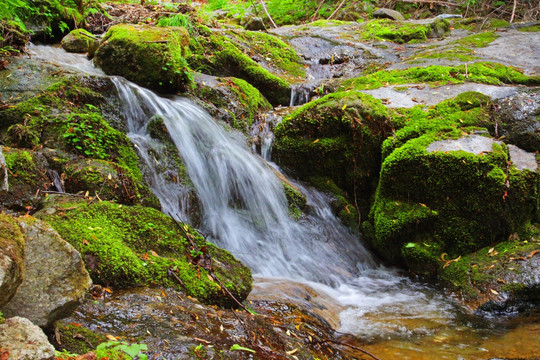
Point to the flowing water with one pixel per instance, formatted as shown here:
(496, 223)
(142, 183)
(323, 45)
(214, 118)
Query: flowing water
(245, 211)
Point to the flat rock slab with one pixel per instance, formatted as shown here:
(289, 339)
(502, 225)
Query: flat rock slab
(477, 144)
(407, 96)
(22, 340)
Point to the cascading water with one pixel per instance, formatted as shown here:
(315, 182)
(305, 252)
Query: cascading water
(245, 211)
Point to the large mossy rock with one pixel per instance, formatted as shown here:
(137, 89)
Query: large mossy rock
(217, 55)
(127, 246)
(55, 280)
(446, 191)
(338, 137)
(153, 57)
(12, 246)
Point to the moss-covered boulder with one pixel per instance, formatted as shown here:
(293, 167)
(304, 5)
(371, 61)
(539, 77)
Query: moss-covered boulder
(402, 32)
(217, 55)
(153, 57)
(447, 189)
(338, 137)
(12, 267)
(230, 99)
(75, 120)
(126, 246)
(78, 41)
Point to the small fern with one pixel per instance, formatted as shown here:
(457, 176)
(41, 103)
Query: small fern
(176, 20)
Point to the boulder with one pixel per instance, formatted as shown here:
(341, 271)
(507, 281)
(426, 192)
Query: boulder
(383, 13)
(11, 258)
(22, 340)
(78, 41)
(55, 278)
(152, 57)
(253, 23)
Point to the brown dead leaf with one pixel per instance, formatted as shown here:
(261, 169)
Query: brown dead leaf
(534, 252)
(4, 354)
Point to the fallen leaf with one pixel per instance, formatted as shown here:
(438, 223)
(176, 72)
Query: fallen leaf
(316, 141)
(291, 352)
(344, 107)
(110, 337)
(491, 250)
(237, 347)
(534, 252)
(494, 292)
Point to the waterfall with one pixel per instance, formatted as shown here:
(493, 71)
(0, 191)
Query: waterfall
(244, 210)
(244, 205)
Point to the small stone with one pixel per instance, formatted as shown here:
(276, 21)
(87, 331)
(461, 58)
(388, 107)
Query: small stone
(11, 258)
(24, 340)
(78, 41)
(388, 14)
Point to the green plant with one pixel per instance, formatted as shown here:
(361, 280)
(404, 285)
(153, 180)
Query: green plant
(176, 20)
(1, 318)
(117, 349)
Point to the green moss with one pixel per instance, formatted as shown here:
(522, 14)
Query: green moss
(216, 55)
(276, 52)
(78, 339)
(460, 53)
(385, 29)
(480, 72)
(21, 166)
(251, 99)
(135, 246)
(533, 28)
(297, 201)
(153, 57)
(287, 12)
(477, 40)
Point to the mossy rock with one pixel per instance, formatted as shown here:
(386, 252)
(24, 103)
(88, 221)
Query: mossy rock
(27, 174)
(230, 99)
(77, 339)
(339, 137)
(402, 32)
(12, 245)
(108, 181)
(127, 246)
(214, 54)
(153, 57)
(74, 119)
(431, 202)
(79, 41)
(499, 278)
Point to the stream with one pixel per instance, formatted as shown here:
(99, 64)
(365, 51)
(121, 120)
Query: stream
(315, 262)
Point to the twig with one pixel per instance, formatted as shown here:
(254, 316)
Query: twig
(352, 347)
(432, 2)
(267, 14)
(337, 9)
(60, 193)
(513, 11)
(317, 11)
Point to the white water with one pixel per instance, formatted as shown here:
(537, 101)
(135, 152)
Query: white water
(246, 212)
(4, 186)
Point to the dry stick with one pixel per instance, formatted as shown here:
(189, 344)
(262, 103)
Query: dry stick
(60, 193)
(513, 11)
(432, 2)
(337, 9)
(267, 14)
(352, 347)
(317, 11)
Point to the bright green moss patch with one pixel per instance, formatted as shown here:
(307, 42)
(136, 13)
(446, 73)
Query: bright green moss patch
(153, 57)
(477, 40)
(273, 50)
(252, 100)
(434, 75)
(398, 32)
(78, 339)
(21, 166)
(134, 246)
(460, 53)
(534, 28)
(289, 12)
(297, 201)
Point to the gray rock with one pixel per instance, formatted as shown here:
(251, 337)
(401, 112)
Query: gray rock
(253, 23)
(55, 280)
(11, 258)
(388, 14)
(24, 341)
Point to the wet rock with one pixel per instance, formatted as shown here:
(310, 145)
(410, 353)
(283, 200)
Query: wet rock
(55, 278)
(230, 99)
(78, 41)
(22, 340)
(12, 246)
(253, 23)
(388, 14)
(517, 119)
